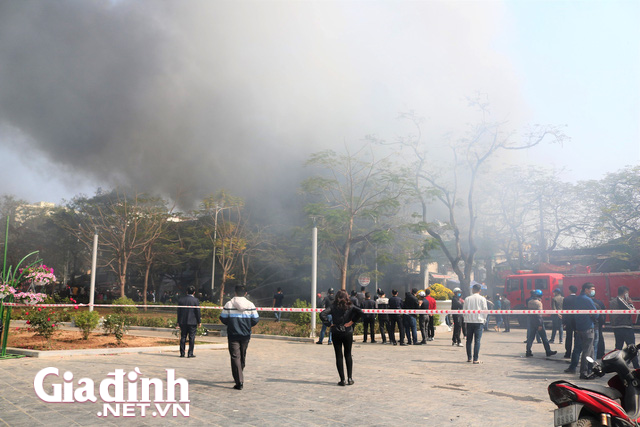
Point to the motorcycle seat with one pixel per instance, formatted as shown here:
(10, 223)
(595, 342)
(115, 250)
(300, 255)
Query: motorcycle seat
(611, 393)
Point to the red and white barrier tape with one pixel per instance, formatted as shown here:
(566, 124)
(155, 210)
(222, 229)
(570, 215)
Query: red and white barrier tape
(370, 311)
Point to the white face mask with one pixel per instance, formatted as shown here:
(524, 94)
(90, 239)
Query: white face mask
(626, 296)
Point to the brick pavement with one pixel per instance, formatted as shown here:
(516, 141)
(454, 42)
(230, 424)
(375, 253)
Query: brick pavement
(294, 383)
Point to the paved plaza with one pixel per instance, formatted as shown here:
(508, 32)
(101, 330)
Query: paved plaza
(294, 383)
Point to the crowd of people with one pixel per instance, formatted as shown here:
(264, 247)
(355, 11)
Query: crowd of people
(406, 324)
(583, 342)
(584, 338)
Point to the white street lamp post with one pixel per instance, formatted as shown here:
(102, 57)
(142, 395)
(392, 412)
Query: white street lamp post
(94, 259)
(314, 276)
(215, 237)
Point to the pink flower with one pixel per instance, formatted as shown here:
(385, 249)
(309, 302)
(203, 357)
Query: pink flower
(53, 325)
(28, 322)
(39, 309)
(75, 307)
(48, 319)
(26, 314)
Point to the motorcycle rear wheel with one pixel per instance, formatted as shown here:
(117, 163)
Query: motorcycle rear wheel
(585, 422)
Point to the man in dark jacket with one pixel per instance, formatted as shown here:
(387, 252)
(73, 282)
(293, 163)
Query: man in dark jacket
(411, 320)
(188, 320)
(568, 320)
(278, 298)
(506, 305)
(458, 319)
(240, 315)
(395, 303)
(369, 319)
(354, 299)
(622, 324)
(598, 338)
(326, 303)
(361, 296)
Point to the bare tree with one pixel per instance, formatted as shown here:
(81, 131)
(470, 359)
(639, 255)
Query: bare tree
(227, 233)
(353, 187)
(118, 218)
(530, 213)
(469, 156)
(257, 242)
(152, 228)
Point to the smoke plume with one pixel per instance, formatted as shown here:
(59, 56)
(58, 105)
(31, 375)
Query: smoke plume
(190, 97)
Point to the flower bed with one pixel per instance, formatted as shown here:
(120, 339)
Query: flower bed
(72, 340)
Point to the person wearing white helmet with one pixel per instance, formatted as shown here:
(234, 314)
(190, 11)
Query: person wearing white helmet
(536, 325)
(382, 303)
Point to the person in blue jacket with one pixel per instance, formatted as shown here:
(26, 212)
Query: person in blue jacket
(584, 334)
(240, 315)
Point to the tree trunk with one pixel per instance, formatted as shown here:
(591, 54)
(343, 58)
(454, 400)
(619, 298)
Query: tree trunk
(345, 258)
(122, 281)
(146, 285)
(222, 288)
(345, 263)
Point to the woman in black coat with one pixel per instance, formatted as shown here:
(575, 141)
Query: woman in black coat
(344, 315)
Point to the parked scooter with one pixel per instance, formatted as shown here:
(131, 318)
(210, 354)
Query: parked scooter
(597, 405)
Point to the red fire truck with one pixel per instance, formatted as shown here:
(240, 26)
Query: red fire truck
(518, 286)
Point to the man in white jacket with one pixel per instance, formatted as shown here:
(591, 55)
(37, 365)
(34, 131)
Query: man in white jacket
(474, 321)
(240, 315)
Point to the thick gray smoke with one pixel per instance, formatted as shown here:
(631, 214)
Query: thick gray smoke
(190, 97)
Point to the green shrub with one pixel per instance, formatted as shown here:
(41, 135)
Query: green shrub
(201, 331)
(56, 299)
(358, 329)
(268, 314)
(436, 319)
(151, 322)
(209, 315)
(63, 314)
(124, 301)
(302, 319)
(43, 321)
(87, 321)
(117, 324)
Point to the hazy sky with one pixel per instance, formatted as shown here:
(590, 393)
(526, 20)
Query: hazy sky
(199, 95)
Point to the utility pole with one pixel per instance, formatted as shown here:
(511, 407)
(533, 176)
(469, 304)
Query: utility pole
(215, 238)
(94, 259)
(314, 274)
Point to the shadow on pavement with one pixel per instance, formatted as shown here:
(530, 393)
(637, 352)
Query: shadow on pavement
(283, 380)
(219, 384)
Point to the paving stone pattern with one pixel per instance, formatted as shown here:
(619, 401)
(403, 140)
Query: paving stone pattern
(294, 383)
